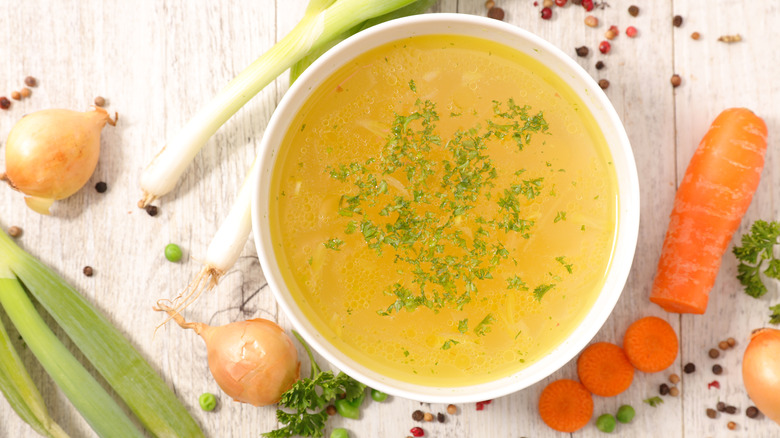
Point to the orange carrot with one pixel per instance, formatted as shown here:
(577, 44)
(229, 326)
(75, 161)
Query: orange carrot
(604, 369)
(712, 198)
(650, 344)
(565, 405)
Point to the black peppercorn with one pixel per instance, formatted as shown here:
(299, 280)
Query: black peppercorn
(752, 412)
(663, 389)
(717, 369)
(418, 415)
(633, 10)
(730, 409)
(599, 65)
(151, 210)
(440, 417)
(689, 368)
(677, 21)
(101, 187)
(582, 51)
(88, 271)
(721, 407)
(712, 413)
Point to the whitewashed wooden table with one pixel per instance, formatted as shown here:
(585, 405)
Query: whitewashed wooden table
(156, 62)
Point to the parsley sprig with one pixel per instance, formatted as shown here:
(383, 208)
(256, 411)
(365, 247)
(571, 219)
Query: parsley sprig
(302, 407)
(756, 257)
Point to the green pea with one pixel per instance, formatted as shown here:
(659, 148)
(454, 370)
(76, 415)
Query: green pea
(625, 414)
(339, 433)
(347, 409)
(208, 401)
(173, 252)
(378, 395)
(606, 423)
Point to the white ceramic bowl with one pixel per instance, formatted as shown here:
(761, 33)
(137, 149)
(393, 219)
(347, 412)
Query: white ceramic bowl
(590, 93)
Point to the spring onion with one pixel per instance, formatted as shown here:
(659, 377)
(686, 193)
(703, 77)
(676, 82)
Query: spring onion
(122, 367)
(226, 246)
(19, 389)
(323, 21)
(93, 402)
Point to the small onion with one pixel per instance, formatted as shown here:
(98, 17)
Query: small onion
(761, 371)
(51, 154)
(253, 361)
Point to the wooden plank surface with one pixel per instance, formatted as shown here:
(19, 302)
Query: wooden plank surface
(156, 62)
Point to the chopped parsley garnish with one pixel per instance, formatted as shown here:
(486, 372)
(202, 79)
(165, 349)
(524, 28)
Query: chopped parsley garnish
(561, 216)
(449, 343)
(756, 257)
(412, 86)
(463, 325)
(516, 283)
(483, 327)
(568, 266)
(542, 289)
(426, 190)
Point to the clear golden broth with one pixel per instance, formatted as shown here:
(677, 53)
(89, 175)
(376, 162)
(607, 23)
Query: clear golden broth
(348, 119)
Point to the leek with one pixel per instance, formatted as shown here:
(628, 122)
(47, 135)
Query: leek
(102, 413)
(323, 21)
(21, 392)
(226, 246)
(125, 370)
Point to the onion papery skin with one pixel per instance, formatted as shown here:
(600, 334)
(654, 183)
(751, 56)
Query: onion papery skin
(761, 371)
(253, 361)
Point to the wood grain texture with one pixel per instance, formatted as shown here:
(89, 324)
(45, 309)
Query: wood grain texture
(156, 62)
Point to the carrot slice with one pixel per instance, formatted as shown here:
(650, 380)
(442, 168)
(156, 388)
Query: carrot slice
(712, 198)
(650, 344)
(565, 405)
(604, 369)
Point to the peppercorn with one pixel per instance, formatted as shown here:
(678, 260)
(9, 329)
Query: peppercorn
(689, 368)
(731, 342)
(677, 21)
(560, 3)
(417, 415)
(576, 2)
(604, 84)
(25, 92)
(5, 103)
(714, 353)
(30, 81)
(591, 21)
(674, 391)
(428, 416)
(723, 345)
(712, 413)
(631, 31)
(101, 187)
(88, 271)
(582, 51)
(721, 407)
(695, 35)
(674, 378)
(611, 33)
(588, 5)
(489, 4)
(604, 47)
(730, 409)
(751, 412)
(452, 409)
(599, 65)
(496, 13)
(731, 425)
(676, 80)
(14, 231)
(547, 3)
(100, 101)
(331, 410)
(417, 431)
(663, 389)
(15, 95)
(151, 210)
(546, 13)
(633, 10)
(440, 417)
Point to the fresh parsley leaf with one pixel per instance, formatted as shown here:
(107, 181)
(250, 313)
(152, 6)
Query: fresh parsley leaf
(412, 86)
(334, 244)
(757, 250)
(774, 318)
(542, 289)
(562, 260)
(516, 283)
(463, 325)
(561, 216)
(653, 401)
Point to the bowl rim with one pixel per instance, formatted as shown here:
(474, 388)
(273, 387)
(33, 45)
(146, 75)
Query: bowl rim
(626, 233)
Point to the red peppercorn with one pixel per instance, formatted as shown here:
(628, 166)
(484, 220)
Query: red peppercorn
(546, 13)
(480, 406)
(5, 103)
(714, 384)
(560, 3)
(588, 5)
(417, 431)
(604, 47)
(631, 31)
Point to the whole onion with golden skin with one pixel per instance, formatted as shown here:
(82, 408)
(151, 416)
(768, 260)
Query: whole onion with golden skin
(761, 371)
(50, 154)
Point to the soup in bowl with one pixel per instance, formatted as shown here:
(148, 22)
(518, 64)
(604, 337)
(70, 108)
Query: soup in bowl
(446, 207)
